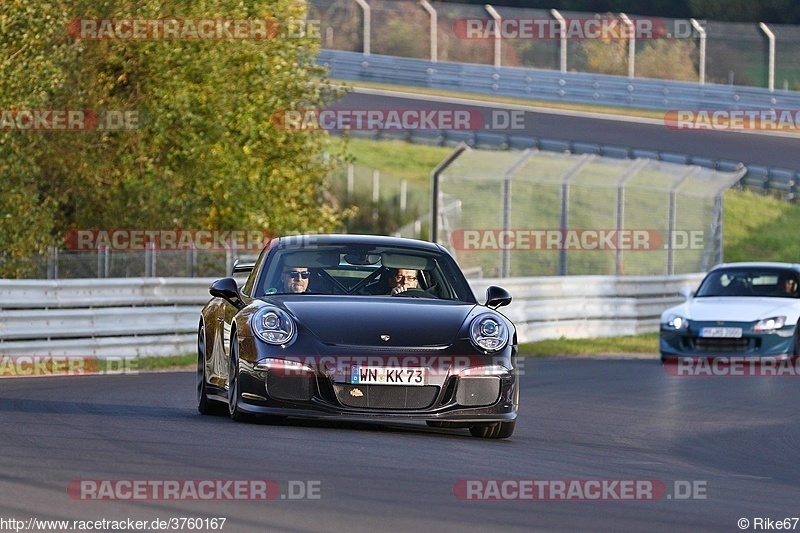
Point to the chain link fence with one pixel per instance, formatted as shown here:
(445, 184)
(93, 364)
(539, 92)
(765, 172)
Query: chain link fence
(736, 53)
(535, 213)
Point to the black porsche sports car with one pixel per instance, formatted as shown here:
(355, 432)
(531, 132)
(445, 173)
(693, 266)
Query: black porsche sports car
(318, 331)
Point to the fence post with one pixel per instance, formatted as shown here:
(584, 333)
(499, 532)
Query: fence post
(505, 194)
(434, 29)
(403, 194)
(102, 261)
(367, 24)
(498, 38)
(376, 193)
(702, 67)
(351, 178)
(771, 37)
(435, 173)
(672, 214)
(563, 28)
(631, 44)
(52, 262)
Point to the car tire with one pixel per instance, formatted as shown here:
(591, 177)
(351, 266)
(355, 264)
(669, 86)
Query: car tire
(496, 430)
(205, 405)
(234, 390)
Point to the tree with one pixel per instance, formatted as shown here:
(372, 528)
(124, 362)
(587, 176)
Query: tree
(207, 152)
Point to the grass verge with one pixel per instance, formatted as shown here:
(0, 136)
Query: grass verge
(174, 362)
(632, 345)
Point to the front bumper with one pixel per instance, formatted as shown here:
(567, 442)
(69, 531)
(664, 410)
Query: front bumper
(321, 387)
(779, 343)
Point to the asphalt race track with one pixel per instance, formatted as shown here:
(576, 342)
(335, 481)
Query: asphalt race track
(749, 148)
(736, 439)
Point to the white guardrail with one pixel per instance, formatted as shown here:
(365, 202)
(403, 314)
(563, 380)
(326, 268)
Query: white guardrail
(128, 317)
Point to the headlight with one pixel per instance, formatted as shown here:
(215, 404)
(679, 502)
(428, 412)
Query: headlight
(273, 326)
(768, 324)
(677, 322)
(488, 333)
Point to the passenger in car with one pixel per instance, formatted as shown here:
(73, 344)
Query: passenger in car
(401, 279)
(788, 285)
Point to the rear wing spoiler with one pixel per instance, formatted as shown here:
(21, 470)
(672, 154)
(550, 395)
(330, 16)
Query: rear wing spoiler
(242, 267)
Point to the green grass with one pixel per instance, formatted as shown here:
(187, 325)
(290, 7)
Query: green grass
(176, 362)
(402, 160)
(638, 344)
(760, 228)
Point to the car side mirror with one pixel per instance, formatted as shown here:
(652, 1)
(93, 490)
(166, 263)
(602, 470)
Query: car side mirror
(686, 292)
(226, 288)
(497, 297)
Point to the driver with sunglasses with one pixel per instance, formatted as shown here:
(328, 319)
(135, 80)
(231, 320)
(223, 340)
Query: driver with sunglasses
(295, 279)
(400, 280)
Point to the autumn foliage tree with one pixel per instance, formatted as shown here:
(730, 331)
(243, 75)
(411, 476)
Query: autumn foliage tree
(206, 152)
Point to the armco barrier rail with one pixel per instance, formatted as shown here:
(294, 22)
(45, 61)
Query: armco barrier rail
(572, 87)
(555, 86)
(159, 316)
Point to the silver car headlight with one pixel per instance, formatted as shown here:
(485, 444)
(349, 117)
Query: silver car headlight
(488, 333)
(770, 324)
(677, 322)
(273, 326)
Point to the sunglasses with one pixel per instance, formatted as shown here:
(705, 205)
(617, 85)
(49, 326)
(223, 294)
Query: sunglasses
(297, 275)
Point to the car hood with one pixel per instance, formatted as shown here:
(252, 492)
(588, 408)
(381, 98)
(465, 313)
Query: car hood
(361, 321)
(735, 309)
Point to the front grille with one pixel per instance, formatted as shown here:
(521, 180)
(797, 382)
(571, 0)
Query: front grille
(385, 396)
(475, 391)
(298, 388)
(720, 345)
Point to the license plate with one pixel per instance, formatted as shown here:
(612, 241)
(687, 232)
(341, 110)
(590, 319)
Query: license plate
(721, 333)
(381, 375)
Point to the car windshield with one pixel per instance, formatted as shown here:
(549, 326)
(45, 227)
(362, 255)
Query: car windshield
(774, 283)
(363, 271)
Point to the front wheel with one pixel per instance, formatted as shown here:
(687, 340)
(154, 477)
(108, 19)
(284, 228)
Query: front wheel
(496, 430)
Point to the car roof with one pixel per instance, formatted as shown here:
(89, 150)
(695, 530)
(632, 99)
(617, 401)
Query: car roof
(759, 264)
(300, 241)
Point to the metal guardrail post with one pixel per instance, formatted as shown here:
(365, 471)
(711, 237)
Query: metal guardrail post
(771, 37)
(631, 44)
(563, 25)
(434, 30)
(702, 67)
(367, 24)
(498, 37)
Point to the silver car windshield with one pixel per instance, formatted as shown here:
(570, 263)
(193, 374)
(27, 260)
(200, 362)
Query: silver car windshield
(773, 283)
